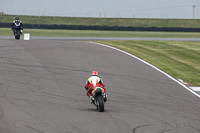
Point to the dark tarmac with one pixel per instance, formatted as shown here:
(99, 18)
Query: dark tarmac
(42, 91)
(102, 38)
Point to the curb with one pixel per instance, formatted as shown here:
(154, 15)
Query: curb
(195, 88)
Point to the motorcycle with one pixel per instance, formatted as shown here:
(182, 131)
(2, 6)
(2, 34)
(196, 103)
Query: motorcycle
(99, 98)
(17, 30)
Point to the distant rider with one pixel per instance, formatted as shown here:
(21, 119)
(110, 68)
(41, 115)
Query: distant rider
(93, 82)
(17, 23)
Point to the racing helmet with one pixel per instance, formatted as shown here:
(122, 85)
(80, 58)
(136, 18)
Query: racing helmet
(16, 18)
(95, 73)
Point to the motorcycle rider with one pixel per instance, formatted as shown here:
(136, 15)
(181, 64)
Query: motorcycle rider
(93, 82)
(15, 23)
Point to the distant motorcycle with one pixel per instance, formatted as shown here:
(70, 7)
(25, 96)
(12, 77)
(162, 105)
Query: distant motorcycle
(99, 98)
(17, 30)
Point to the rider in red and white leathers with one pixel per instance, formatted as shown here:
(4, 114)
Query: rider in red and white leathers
(93, 82)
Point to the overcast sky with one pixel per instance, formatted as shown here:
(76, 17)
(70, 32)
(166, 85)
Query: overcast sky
(104, 8)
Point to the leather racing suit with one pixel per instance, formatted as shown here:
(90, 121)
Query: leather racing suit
(92, 83)
(17, 23)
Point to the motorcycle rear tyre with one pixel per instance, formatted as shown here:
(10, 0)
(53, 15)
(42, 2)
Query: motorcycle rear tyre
(100, 104)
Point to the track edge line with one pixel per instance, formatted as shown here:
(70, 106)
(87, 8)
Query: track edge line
(186, 87)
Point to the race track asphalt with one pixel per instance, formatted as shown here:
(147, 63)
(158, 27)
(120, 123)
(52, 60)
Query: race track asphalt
(42, 91)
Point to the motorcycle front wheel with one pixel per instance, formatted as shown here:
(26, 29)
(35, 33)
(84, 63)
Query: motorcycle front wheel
(17, 35)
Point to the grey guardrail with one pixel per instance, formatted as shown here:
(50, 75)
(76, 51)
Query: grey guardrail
(109, 28)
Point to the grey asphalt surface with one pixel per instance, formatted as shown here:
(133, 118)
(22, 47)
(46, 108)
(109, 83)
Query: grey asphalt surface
(103, 38)
(42, 91)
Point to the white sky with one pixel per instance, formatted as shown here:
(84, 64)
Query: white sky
(104, 8)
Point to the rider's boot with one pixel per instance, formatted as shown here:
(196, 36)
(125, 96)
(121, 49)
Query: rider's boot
(91, 99)
(105, 97)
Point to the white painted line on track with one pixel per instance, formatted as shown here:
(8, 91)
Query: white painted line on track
(186, 87)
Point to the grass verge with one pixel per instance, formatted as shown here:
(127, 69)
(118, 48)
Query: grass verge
(177, 58)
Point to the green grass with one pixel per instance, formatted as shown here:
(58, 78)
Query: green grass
(134, 22)
(177, 58)
(91, 33)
